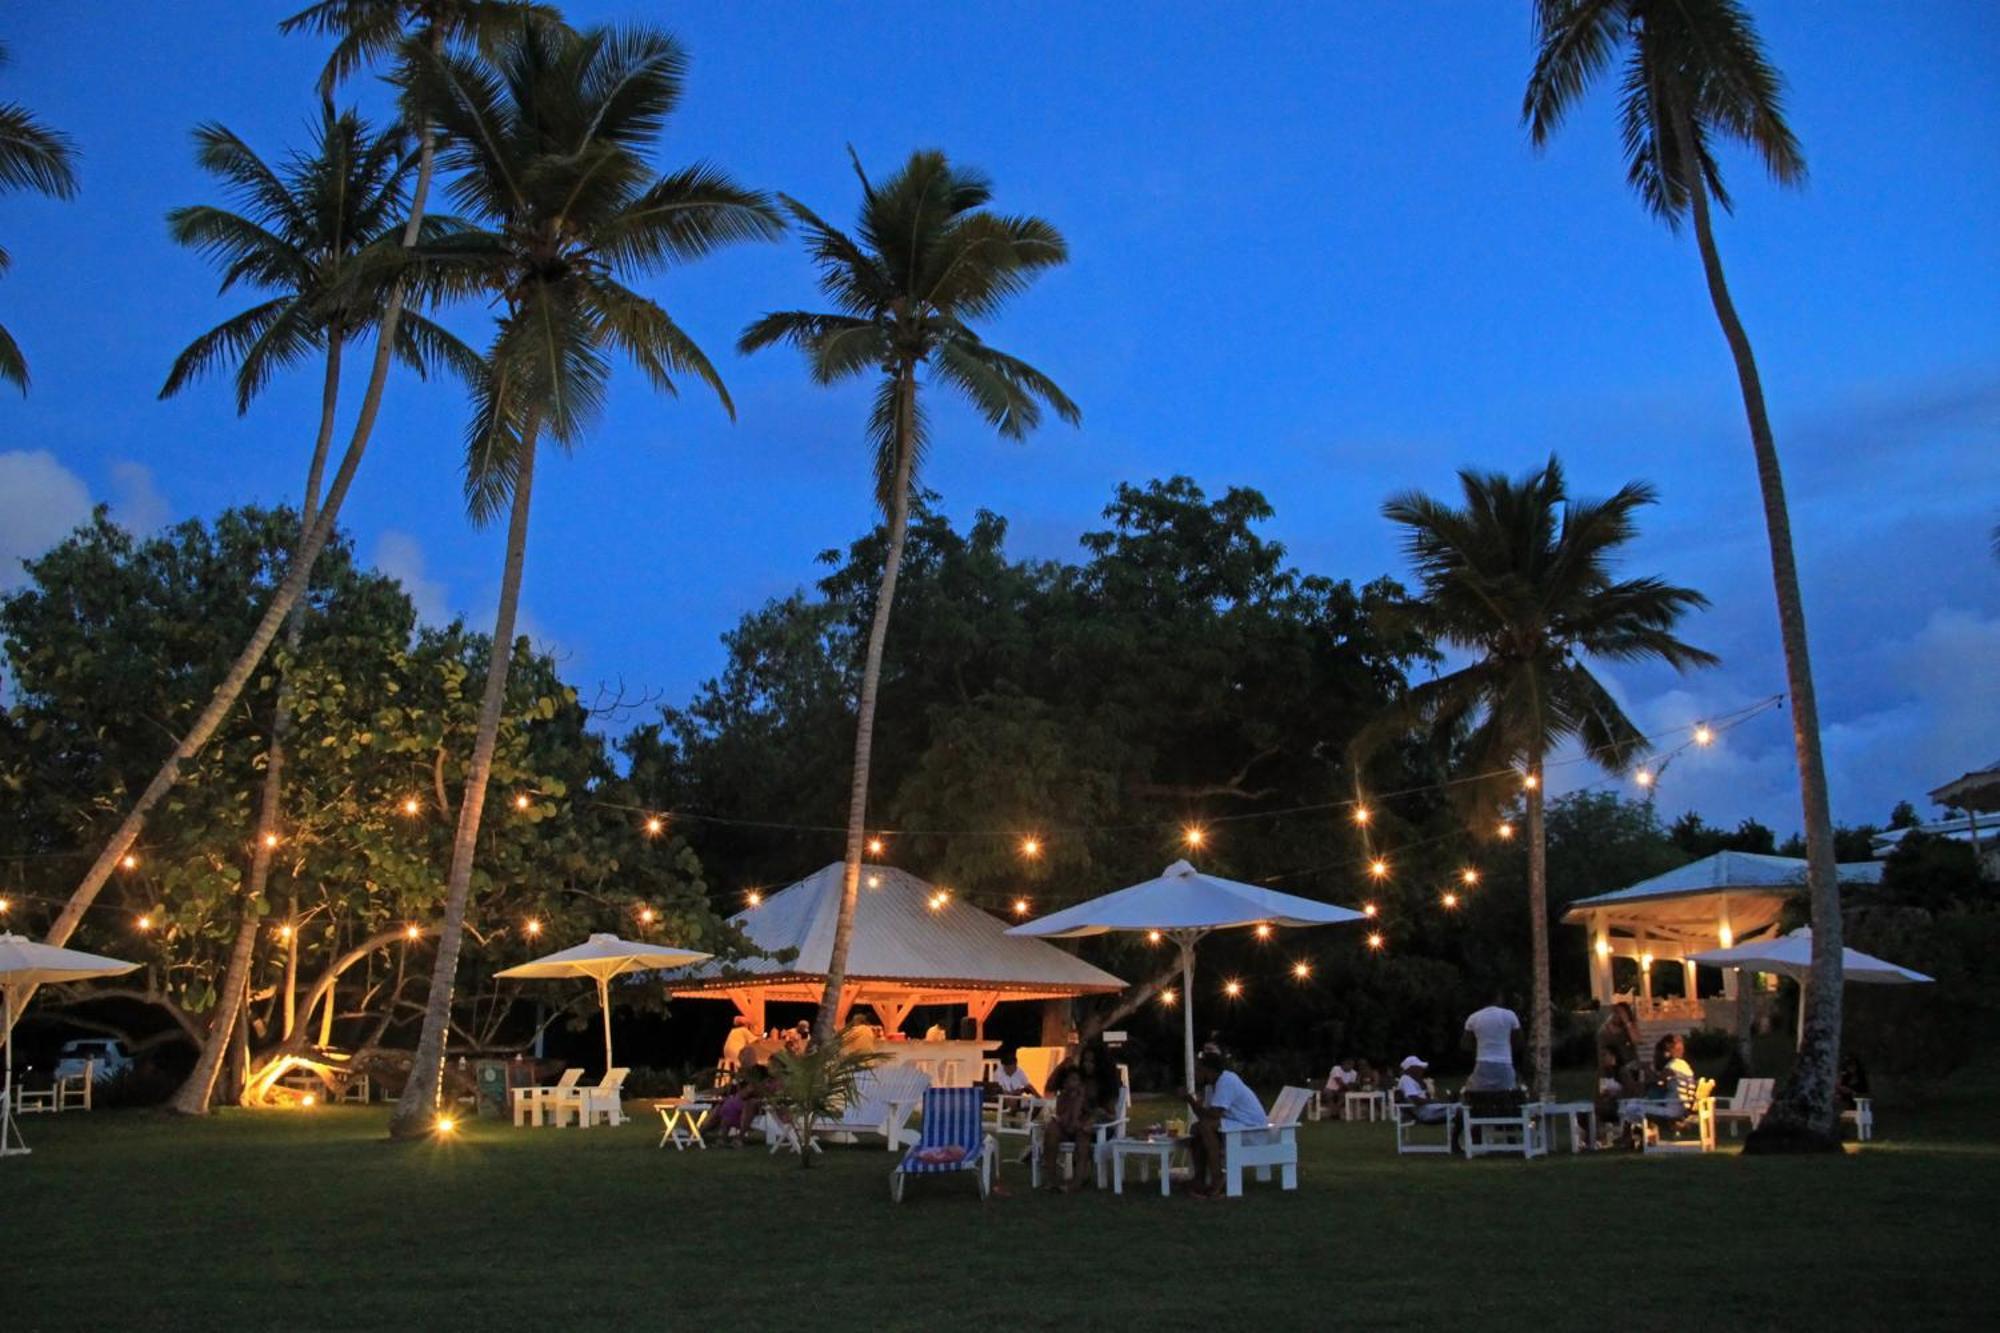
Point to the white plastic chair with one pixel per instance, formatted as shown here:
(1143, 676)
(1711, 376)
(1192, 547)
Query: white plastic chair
(1100, 1149)
(1862, 1117)
(1748, 1105)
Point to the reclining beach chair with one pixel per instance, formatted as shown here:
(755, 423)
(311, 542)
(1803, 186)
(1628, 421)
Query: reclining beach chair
(953, 1138)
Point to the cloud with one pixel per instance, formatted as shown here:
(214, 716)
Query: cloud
(401, 557)
(139, 507)
(41, 501)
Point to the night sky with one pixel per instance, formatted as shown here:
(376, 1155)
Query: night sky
(1313, 254)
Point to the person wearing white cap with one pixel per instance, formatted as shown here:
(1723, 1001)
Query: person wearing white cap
(1411, 1091)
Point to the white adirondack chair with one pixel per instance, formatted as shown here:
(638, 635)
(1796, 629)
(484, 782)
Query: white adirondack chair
(589, 1105)
(1261, 1148)
(884, 1101)
(1747, 1105)
(531, 1103)
(1403, 1116)
(1663, 1135)
(1862, 1117)
(1518, 1129)
(1100, 1147)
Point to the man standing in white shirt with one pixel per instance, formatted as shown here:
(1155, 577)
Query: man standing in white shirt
(739, 1037)
(1228, 1104)
(1491, 1034)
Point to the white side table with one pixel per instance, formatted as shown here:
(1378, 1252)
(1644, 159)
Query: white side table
(1148, 1151)
(1376, 1104)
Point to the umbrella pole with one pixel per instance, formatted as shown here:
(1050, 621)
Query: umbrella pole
(604, 1003)
(1187, 1007)
(11, 1143)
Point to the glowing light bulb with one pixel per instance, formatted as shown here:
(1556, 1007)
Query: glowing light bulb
(1643, 777)
(1302, 970)
(937, 902)
(6, 904)
(1468, 876)
(1031, 848)
(654, 824)
(1020, 907)
(1193, 836)
(1506, 830)
(532, 926)
(1369, 910)
(1375, 940)
(410, 806)
(874, 881)
(270, 840)
(754, 898)
(1232, 988)
(521, 802)
(145, 923)
(1167, 996)
(1362, 814)
(1530, 781)
(308, 1101)
(647, 916)
(446, 1124)
(1603, 947)
(413, 932)
(1263, 930)
(129, 861)
(1645, 960)
(1726, 936)
(1704, 734)
(1153, 937)
(284, 932)
(1379, 868)
(876, 846)
(1450, 900)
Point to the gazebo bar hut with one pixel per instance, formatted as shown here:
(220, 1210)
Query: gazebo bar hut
(913, 944)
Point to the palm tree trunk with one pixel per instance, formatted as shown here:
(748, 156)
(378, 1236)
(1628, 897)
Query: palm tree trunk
(289, 592)
(1538, 937)
(871, 682)
(196, 1094)
(417, 1107)
(1808, 1099)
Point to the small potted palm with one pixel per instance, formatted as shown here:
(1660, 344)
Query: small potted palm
(817, 1085)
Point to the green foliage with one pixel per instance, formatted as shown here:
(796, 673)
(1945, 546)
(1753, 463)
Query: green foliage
(816, 1084)
(32, 157)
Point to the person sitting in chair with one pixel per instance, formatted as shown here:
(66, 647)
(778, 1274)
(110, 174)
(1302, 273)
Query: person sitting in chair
(1227, 1104)
(1009, 1080)
(1412, 1091)
(1674, 1090)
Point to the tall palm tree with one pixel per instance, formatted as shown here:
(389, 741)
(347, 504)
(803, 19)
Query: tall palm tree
(1695, 74)
(32, 157)
(300, 232)
(425, 25)
(1521, 577)
(549, 139)
(928, 258)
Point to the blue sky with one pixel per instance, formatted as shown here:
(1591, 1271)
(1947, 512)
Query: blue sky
(1313, 254)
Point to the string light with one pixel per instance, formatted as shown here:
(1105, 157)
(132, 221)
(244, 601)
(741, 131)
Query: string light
(1153, 937)
(1469, 876)
(876, 846)
(521, 802)
(1530, 781)
(1643, 777)
(1450, 900)
(129, 861)
(1726, 936)
(1263, 930)
(532, 926)
(284, 932)
(874, 881)
(653, 826)
(1167, 996)
(413, 932)
(647, 916)
(270, 840)
(1020, 907)
(1375, 939)
(1361, 814)
(1232, 988)
(410, 806)
(446, 1124)
(754, 898)
(1193, 835)
(308, 1101)
(1704, 734)
(1646, 960)
(938, 900)
(6, 905)
(1302, 970)
(1369, 910)
(1379, 868)
(1031, 848)
(145, 923)
(1603, 947)
(1506, 831)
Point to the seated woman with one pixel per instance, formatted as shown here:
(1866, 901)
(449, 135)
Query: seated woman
(1673, 1096)
(741, 1105)
(1850, 1083)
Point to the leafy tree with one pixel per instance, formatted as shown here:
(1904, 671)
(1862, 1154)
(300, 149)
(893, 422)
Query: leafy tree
(302, 233)
(549, 144)
(1521, 578)
(1697, 838)
(929, 258)
(1695, 75)
(32, 157)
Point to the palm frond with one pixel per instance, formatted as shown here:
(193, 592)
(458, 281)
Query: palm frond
(33, 156)
(1574, 42)
(649, 338)
(687, 215)
(227, 343)
(13, 366)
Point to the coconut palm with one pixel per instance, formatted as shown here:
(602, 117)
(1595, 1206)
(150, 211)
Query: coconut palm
(425, 25)
(928, 258)
(1521, 577)
(1695, 75)
(32, 157)
(549, 140)
(299, 232)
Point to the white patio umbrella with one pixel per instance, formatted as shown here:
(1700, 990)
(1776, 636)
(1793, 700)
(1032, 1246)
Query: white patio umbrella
(602, 957)
(1791, 956)
(25, 964)
(1185, 905)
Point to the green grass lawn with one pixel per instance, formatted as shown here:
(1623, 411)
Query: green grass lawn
(313, 1220)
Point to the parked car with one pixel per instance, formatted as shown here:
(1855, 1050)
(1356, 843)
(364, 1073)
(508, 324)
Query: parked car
(108, 1053)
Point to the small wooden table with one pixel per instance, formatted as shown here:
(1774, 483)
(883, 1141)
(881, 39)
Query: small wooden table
(1376, 1104)
(681, 1119)
(1574, 1114)
(1148, 1151)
